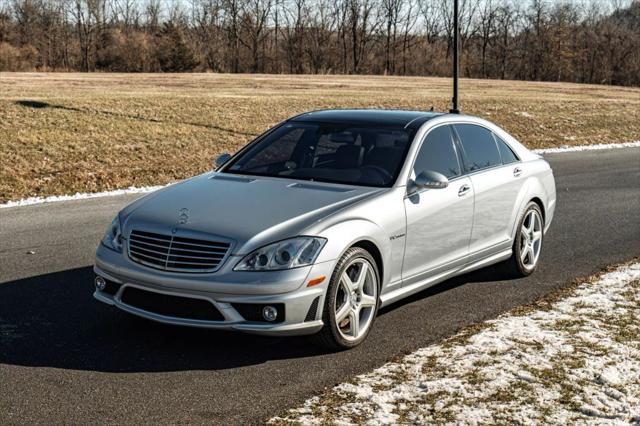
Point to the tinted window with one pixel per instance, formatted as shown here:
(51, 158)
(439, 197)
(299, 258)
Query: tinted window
(479, 147)
(438, 154)
(505, 151)
(278, 152)
(326, 152)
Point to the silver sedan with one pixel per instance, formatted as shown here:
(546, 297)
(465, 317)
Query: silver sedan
(325, 218)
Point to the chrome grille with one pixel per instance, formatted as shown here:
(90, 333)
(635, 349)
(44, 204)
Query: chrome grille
(174, 253)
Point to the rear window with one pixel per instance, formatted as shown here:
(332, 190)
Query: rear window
(479, 147)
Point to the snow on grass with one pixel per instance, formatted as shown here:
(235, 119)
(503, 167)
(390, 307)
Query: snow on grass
(573, 358)
(596, 147)
(80, 196)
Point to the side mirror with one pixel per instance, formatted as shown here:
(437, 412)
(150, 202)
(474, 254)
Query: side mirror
(430, 180)
(222, 158)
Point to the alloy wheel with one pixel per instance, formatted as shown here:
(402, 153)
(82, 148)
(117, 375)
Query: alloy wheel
(531, 239)
(356, 299)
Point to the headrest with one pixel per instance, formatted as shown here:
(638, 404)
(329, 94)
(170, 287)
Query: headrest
(349, 156)
(386, 157)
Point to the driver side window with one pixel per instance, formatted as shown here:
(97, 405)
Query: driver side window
(438, 154)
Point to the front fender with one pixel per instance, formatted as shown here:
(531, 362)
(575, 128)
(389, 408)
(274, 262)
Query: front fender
(340, 236)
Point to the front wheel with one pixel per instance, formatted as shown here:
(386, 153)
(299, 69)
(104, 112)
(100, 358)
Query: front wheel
(351, 303)
(527, 244)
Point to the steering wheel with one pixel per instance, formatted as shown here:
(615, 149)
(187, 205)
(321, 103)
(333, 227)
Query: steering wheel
(385, 175)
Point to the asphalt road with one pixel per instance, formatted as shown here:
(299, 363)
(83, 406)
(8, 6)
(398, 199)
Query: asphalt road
(65, 358)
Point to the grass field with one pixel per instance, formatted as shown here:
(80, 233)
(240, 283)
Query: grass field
(62, 133)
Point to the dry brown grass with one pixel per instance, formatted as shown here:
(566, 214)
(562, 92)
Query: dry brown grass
(93, 132)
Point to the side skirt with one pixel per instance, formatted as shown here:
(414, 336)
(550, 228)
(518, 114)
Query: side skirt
(401, 293)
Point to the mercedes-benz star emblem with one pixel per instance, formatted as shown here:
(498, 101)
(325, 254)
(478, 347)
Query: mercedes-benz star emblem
(183, 215)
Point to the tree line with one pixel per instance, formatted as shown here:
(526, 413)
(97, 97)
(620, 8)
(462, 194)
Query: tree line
(596, 41)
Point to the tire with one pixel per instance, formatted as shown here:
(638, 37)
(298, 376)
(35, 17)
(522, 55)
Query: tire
(527, 246)
(362, 303)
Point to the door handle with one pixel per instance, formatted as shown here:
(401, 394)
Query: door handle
(463, 190)
(517, 172)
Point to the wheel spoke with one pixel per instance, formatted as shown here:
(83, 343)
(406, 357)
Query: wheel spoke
(523, 253)
(364, 268)
(349, 285)
(526, 223)
(531, 255)
(367, 301)
(354, 321)
(343, 312)
(537, 235)
(523, 242)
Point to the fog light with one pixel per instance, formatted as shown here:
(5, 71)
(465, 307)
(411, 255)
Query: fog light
(269, 313)
(101, 284)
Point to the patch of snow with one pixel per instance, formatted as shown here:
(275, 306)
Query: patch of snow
(596, 147)
(524, 114)
(577, 361)
(80, 196)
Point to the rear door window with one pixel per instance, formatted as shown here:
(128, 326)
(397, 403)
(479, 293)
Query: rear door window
(438, 154)
(506, 153)
(479, 147)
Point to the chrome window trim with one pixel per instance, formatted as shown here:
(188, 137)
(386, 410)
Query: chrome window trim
(407, 171)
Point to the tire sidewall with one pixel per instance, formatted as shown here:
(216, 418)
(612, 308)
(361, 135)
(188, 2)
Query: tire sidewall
(328, 315)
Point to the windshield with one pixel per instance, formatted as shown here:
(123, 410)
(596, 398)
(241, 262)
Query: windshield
(355, 155)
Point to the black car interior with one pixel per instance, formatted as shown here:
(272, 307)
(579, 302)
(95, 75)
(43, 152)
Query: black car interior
(353, 155)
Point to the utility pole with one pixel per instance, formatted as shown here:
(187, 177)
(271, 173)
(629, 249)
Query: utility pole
(456, 30)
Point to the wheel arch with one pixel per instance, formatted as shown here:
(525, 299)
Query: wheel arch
(358, 233)
(375, 252)
(540, 204)
(531, 191)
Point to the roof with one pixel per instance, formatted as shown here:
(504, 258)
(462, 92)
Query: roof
(378, 117)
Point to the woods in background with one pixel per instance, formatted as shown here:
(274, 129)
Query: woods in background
(594, 42)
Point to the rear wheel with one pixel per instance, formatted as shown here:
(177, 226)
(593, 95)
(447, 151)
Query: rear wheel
(351, 303)
(527, 244)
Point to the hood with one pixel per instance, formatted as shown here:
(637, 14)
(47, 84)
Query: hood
(250, 211)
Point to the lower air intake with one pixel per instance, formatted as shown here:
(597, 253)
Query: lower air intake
(313, 310)
(171, 306)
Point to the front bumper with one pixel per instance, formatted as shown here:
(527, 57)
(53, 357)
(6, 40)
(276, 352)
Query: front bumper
(224, 288)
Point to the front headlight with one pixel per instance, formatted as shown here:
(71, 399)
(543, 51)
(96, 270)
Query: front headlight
(113, 237)
(287, 254)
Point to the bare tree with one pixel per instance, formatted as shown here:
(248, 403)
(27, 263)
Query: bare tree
(152, 13)
(321, 28)
(295, 19)
(391, 10)
(254, 25)
(207, 21)
(487, 21)
(361, 26)
(589, 41)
